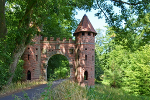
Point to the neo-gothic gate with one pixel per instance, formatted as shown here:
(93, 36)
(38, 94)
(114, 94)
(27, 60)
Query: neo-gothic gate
(80, 53)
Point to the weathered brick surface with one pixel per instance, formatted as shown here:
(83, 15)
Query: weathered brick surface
(80, 54)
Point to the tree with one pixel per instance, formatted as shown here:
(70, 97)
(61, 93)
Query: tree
(25, 18)
(126, 57)
(126, 9)
(3, 29)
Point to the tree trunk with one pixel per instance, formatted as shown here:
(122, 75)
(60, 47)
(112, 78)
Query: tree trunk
(3, 29)
(13, 65)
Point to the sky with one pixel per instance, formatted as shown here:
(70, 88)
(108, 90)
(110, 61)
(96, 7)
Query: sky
(97, 23)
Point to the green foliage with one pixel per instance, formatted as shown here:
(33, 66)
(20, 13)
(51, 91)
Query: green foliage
(126, 9)
(124, 56)
(66, 91)
(71, 91)
(19, 72)
(23, 19)
(58, 67)
(5, 59)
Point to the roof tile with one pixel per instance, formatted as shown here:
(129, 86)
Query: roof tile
(85, 26)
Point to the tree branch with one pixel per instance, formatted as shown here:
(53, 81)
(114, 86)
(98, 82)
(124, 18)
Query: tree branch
(134, 4)
(102, 10)
(28, 9)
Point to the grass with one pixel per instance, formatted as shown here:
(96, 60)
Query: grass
(71, 91)
(68, 90)
(15, 87)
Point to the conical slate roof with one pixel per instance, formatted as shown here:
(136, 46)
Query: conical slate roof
(85, 26)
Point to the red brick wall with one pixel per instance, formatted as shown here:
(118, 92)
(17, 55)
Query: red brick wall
(41, 51)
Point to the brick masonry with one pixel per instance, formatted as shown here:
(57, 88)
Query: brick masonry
(79, 52)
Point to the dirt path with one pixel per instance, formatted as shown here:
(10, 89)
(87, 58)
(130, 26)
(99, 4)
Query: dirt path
(33, 93)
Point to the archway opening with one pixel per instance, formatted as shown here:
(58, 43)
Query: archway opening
(85, 75)
(28, 75)
(58, 67)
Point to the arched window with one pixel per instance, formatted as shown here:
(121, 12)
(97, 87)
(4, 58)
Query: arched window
(28, 75)
(85, 75)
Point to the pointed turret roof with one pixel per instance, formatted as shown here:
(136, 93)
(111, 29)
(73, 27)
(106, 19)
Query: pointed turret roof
(85, 26)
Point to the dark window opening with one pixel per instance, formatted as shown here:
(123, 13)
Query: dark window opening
(36, 57)
(85, 75)
(57, 46)
(78, 57)
(93, 34)
(71, 51)
(85, 57)
(28, 48)
(28, 56)
(89, 34)
(28, 75)
(82, 33)
(85, 48)
(36, 48)
(92, 58)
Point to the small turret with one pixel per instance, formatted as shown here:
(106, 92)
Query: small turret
(85, 55)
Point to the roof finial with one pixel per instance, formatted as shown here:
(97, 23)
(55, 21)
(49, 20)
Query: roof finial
(84, 14)
(85, 26)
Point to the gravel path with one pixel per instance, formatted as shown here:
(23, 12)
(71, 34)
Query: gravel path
(33, 93)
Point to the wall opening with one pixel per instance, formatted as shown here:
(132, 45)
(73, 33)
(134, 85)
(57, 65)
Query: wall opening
(28, 56)
(85, 57)
(28, 75)
(36, 57)
(71, 51)
(85, 75)
(58, 67)
(82, 33)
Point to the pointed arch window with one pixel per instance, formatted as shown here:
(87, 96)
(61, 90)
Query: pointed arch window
(85, 75)
(28, 75)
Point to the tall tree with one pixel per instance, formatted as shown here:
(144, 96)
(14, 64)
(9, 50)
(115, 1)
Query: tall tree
(3, 29)
(25, 17)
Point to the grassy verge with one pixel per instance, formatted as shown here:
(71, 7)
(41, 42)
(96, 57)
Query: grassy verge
(71, 91)
(15, 87)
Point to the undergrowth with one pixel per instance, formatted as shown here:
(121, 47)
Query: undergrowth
(72, 91)
(68, 90)
(13, 87)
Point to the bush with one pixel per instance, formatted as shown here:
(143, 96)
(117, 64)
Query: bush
(129, 70)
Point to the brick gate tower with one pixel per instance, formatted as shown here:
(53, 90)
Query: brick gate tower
(85, 52)
(80, 54)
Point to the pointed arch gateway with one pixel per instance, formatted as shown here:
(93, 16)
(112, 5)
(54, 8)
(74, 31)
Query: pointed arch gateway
(79, 52)
(58, 67)
(66, 53)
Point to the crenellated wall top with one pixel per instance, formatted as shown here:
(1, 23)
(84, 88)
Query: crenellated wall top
(57, 40)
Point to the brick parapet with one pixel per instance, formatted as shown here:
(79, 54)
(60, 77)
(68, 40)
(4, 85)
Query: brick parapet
(79, 52)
